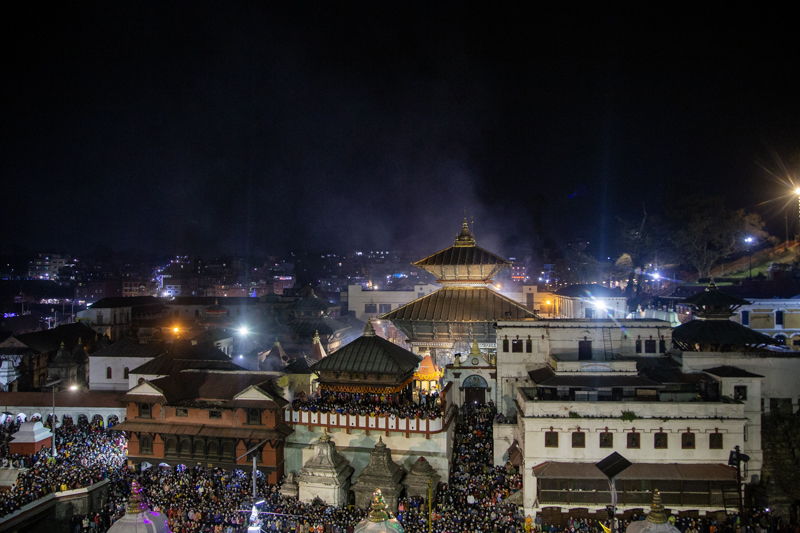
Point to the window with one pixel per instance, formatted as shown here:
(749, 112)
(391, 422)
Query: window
(579, 439)
(215, 414)
(551, 439)
(516, 346)
(687, 441)
(660, 441)
(638, 346)
(253, 416)
(633, 440)
(778, 318)
(144, 410)
(715, 441)
(180, 411)
(662, 346)
(606, 440)
(650, 346)
(146, 444)
(420, 294)
(588, 313)
(781, 339)
(740, 392)
(384, 308)
(370, 308)
(745, 318)
(505, 345)
(108, 372)
(125, 372)
(529, 346)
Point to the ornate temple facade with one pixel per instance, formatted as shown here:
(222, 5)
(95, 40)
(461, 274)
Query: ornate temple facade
(449, 320)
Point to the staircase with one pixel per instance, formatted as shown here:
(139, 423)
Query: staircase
(607, 346)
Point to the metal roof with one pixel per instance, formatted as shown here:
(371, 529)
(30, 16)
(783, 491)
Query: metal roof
(370, 354)
(654, 471)
(730, 372)
(131, 348)
(462, 255)
(239, 432)
(461, 304)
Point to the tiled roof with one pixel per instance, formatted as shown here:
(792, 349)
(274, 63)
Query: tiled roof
(730, 372)
(588, 290)
(239, 432)
(300, 366)
(131, 348)
(191, 386)
(182, 356)
(50, 340)
(371, 354)
(718, 332)
(65, 398)
(454, 304)
(309, 303)
(462, 255)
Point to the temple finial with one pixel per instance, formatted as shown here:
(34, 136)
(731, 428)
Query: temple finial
(369, 331)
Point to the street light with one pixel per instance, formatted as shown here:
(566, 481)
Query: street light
(749, 240)
(53, 420)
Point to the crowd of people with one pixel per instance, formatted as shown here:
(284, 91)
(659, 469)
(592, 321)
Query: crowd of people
(213, 500)
(366, 404)
(86, 455)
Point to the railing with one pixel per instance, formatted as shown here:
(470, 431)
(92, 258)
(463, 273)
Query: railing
(377, 422)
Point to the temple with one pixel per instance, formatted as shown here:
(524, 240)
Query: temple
(447, 321)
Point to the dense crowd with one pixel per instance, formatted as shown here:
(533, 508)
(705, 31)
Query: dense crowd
(365, 404)
(85, 456)
(200, 500)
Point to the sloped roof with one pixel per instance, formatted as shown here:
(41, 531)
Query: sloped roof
(50, 340)
(369, 353)
(125, 301)
(587, 290)
(718, 332)
(726, 371)
(462, 255)
(183, 355)
(131, 348)
(307, 326)
(713, 297)
(310, 303)
(193, 386)
(461, 304)
(300, 365)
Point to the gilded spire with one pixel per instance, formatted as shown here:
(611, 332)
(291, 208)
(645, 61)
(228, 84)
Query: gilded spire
(369, 331)
(475, 349)
(657, 514)
(315, 340)
(378, 512)
(465, 238)
(135, 504)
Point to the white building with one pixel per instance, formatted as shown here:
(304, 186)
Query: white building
(589, 301)
(109, 368)
(368, 304)
(576, 391)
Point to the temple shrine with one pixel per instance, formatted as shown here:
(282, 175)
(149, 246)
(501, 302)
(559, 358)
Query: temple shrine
(373, 394)
(445, 321)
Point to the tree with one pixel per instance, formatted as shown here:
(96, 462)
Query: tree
(704, 231)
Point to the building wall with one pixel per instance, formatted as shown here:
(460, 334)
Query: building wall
(760, 315)
(358, 299)
(574, 307)
(98, 367)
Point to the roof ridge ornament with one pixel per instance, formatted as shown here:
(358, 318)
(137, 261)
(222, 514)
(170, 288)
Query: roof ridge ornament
(657, 515)
(369, 330)
(466, 237)
(711, 285)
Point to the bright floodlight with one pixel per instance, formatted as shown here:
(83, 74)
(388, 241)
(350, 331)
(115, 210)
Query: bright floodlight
(749, 239)
(175, 330)
(73, 387)
(243, 330)
(797, 191)
(656, 275)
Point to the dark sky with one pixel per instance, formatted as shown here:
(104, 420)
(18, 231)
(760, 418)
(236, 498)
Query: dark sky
(248, 127)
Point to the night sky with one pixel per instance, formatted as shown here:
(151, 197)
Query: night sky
(253, 127)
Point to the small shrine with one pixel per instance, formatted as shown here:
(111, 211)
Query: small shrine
(215, 316)
(370, 364)
(656, 521)
(138, 518)
(428, 375)
(380, 474)
(378, 519)
(289, 488)
(30, 438)
(421, 477)
(326, 475)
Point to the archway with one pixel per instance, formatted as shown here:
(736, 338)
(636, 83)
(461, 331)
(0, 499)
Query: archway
(97, 421)
(474, 389)
(22, 417)
(113, 420)
(66, 421)
(83, 420)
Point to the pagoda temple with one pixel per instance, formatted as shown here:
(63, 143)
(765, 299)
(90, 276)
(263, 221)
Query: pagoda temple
(465, 308)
